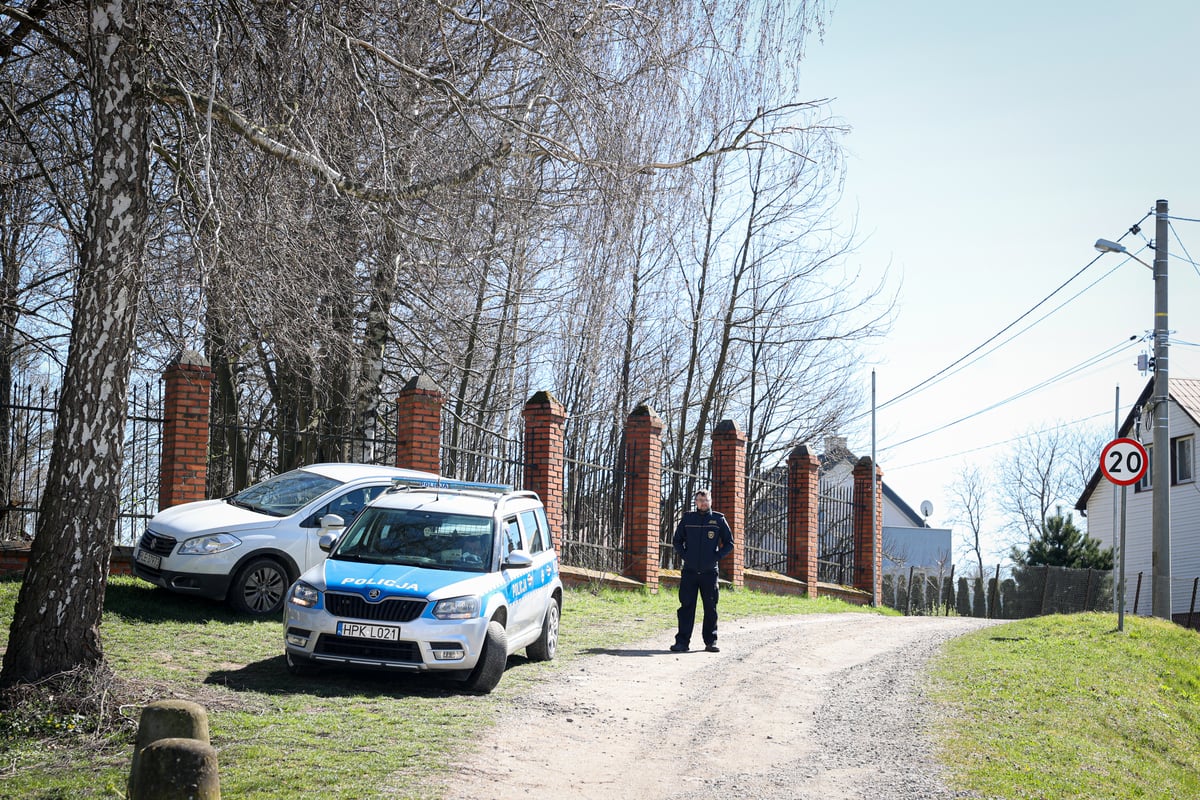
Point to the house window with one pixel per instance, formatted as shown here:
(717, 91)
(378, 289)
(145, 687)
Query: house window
(1182, 464)
(1146, 484)
(1181, 460)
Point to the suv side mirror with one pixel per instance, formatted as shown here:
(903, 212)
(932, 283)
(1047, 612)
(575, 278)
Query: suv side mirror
(518, 559)
(331, 528)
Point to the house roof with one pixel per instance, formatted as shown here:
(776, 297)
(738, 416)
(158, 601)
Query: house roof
(1185, 392)
(837, 453)
(917, 520)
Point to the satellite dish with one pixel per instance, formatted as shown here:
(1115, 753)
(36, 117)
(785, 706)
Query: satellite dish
(926, 508)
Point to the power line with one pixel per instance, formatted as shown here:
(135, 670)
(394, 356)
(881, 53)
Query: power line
(1016, 438)
(1183, 247)
(1090, 362)
(913, 389)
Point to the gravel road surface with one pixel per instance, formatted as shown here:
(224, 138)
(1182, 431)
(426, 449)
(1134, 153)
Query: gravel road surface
(826, 706)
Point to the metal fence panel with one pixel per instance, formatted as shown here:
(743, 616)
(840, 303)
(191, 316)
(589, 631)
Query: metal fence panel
(835, 534)
(27, 423)
(766, 533)
(593, 512)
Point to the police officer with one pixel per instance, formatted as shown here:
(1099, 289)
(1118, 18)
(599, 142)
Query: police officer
(702, 539)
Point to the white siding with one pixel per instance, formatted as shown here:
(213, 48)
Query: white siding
(1185, 530)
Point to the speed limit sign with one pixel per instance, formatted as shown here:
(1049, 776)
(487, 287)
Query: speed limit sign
(1123, 461)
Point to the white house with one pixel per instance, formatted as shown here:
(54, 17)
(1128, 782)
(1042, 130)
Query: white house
(1100, 502)
(908, 541)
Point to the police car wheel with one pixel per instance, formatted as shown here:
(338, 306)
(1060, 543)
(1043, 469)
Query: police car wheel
(490, 667)
(259, 588)
(547, 644)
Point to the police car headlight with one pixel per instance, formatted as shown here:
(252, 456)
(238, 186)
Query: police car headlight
(457, 608)
(207, 545)
(304, 595)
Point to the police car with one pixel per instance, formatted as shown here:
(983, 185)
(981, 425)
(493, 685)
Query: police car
(433, 576)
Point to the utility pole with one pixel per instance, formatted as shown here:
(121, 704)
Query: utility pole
(1161, 459)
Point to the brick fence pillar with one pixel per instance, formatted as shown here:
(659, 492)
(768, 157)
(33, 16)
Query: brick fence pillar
(729, 493)
(802, 517)
(643, 495)
(419, 425)
(183, 464)
(545, 466)
(868, 552)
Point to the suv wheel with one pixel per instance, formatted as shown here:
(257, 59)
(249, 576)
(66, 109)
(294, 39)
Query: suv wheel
(492, 660)
(259, 588)
(544, 648)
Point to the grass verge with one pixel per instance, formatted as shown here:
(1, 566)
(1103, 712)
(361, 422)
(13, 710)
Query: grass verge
(338, 735)
(1067, 707)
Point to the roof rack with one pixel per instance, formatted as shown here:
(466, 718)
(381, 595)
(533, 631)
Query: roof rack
(399, 484)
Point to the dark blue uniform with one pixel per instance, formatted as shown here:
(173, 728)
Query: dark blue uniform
(701, 540)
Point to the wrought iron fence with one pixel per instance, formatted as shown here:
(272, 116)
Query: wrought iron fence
(593, 534)
(484, 456)
(476, 454)
(835, 534)
(766, 533)
(27, 424)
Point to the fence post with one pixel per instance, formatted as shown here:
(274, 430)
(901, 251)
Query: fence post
(949, 591)
(994, 595)
(643, 495)
(419, 425)
(908, 598)
(803, 504)
(729, 493)
(1192, 607)
(544, 461)
(868, 555)
(183, 464)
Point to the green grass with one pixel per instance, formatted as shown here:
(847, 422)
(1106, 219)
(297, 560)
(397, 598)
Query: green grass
(1066, 707)
(338, 735)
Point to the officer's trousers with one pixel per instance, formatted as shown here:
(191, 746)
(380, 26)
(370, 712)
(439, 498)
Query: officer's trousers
(691, 583)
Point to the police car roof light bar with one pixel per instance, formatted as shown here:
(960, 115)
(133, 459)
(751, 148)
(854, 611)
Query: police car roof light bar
(444, 483)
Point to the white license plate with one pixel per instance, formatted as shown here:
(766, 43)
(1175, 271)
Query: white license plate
(149, 559)
(358, 630)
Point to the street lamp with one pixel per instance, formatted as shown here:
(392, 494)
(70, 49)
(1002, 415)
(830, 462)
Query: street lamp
(1160, 459)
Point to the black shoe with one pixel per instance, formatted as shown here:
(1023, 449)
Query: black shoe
(711, 648)
(679, 648)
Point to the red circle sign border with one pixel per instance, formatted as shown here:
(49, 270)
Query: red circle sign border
(1104, 458)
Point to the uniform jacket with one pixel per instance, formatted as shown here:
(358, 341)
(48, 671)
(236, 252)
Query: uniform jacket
(701, 539)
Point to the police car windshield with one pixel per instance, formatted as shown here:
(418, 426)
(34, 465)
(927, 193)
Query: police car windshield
(284, 494)
(417, 538)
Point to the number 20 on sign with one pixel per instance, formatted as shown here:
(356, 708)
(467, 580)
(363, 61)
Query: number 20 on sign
(1123, 461)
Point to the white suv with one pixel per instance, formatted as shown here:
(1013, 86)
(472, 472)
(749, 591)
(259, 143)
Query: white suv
(250, 546)
(451, 578)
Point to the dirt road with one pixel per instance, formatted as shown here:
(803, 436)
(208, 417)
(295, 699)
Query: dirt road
(825, 706)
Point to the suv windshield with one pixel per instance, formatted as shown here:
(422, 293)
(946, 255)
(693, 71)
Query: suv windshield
(418, 538)
(284, 494)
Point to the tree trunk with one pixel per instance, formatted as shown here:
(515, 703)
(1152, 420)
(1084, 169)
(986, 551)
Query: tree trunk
(56, 625)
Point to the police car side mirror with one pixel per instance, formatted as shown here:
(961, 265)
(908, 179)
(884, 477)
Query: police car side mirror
(518, 559)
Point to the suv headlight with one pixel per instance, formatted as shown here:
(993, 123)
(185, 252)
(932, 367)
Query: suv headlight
(457, 608)
(304, 595)
(207, 545)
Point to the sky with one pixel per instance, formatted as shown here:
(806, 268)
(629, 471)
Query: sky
(990, 145)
